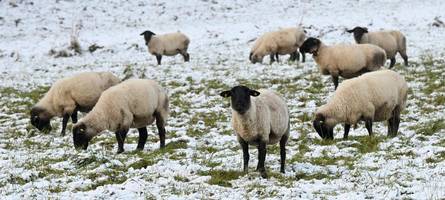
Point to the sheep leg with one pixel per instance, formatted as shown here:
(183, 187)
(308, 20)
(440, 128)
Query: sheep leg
(393, 62)
(184, 54)
(297, 56)
(278, 59)
(120, 137)
(272, 59)
(335, 80)
(74, 116)
(160, 124)
(142, 138)
(186, 57)
(396, 116)
(159, 58)
(347, 127)
(262, 158)
(368, 124)
(283, 142)
(331, 133)
(391, 126)
(405, 58)
(303, 57)
(65, 119)
(246, 157)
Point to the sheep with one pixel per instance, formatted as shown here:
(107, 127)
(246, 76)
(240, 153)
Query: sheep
(391, 41)
(281, 42)
(169, 44)
(69, 95)
(134, 103)
(372, 97)
(260, 120)
(345, 60)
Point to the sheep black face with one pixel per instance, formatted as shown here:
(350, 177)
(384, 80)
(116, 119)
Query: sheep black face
(81, 136)
(147, 36)
(240, 98)
(40, 119)
(310, 45)
(358, 32)
(322, 128)
(254, 58)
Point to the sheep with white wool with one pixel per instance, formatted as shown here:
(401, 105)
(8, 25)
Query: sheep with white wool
(281, 42)
(345, 60)
(259, 118)
(372, 97)
(391, 41)
(169, 44)
(69, 95)
(134, 103)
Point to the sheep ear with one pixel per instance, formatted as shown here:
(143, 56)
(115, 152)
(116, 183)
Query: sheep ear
(227, 93)
(350, 31)
(254, 93)
(320, 117)
(250, 56)
(366, 29)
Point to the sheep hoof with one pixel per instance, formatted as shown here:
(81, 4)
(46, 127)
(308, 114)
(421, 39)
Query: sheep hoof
(263, 174)
(282, 171)
(120, 151)
(139, 149)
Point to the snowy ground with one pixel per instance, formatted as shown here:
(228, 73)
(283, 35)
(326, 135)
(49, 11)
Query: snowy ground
(202, 158)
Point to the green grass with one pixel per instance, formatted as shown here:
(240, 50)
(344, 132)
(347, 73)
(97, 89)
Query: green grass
(439, 157)
(148, 159)
(221, 177)
(429, 128)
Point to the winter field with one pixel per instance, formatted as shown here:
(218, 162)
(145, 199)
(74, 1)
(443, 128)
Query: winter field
(202, 159)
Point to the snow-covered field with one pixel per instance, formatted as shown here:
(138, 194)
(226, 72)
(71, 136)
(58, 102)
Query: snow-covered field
(202, 159)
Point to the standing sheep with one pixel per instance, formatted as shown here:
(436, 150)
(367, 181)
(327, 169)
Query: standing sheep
(134, 103)
(281, 42)
(260, 120)
(169, 44)
(69, 95)
(372, 97)
(345, 60)
(391, 41)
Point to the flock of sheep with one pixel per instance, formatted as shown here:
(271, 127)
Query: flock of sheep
(259, 117)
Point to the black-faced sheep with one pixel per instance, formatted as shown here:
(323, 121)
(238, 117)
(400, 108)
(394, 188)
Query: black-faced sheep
(391, 41)
(169, 44)
(345, 60)
(69, 95)
(372, 97)
(281, 42)
(134, 103)
(259, 118)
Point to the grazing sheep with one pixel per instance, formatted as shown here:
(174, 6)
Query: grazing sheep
(134, 103)
(260, 120)
(391, 41)
(281, 42)
(169, 44)
(69, 95)
(345, 60)
(372, 97)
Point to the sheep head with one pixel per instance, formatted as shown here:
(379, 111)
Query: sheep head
(323, 128)
(240, 98)
(310, 45)
(255, 57)
(147, 36)
(40, 118)
(82, 134)
(358, 32)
